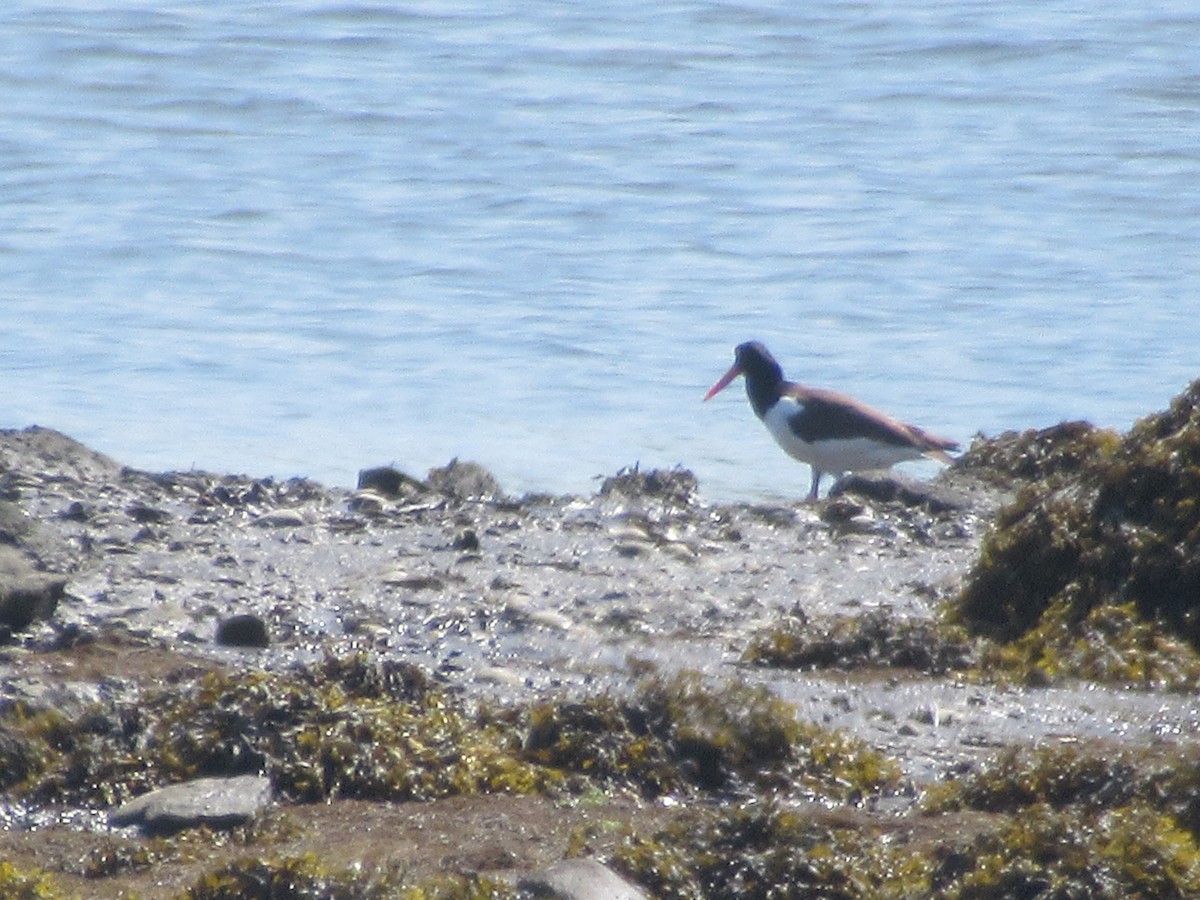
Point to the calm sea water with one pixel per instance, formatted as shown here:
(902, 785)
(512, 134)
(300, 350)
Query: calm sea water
(304, 238)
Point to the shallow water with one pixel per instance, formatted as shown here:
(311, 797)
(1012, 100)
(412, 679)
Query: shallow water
(306, 238)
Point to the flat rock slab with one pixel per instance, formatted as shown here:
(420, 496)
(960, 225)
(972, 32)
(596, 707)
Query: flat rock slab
(215, 802)
(580, 879)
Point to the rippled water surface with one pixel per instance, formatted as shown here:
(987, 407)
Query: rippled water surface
(308, 237)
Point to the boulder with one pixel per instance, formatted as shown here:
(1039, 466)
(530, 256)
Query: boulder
(215, 802)
(25, 593)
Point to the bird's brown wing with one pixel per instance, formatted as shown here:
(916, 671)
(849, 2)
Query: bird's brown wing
(830, 415)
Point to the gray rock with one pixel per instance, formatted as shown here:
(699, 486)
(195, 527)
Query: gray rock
(366, 502)
(25, 593)
(245, 630)
(389, 482)
(40, 452)
(281, 518)
(14, 524)
(896, 487)
(215, 802)
(580, 879)
(465, 481)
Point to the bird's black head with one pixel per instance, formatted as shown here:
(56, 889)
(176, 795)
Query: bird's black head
(763, 375)
(756, 362)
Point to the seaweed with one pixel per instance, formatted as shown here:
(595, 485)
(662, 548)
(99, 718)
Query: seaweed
(1045, 852)
(1015, 458)
(380, 731)
(754, 850)
(1059, 776)
(306, 877)
(26, 884)
(675, 733)
(342, 727)
(874, 639)
(1117, 528)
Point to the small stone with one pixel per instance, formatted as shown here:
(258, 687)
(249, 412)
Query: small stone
(77, 511)
(520, 612)
(245, 630)
(368, 503)
(497, 675)
(468, 541)
(580, 879)
(389, 482)
(840, 510)
(398, 577)
(549, 618)
(281, 518)
(148, 515)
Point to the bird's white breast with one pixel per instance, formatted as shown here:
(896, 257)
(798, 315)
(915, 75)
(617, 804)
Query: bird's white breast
(835, 454)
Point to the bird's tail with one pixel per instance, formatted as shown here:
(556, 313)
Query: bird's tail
(935, 447)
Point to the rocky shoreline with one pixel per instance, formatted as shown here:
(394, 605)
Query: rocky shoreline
(123, 590)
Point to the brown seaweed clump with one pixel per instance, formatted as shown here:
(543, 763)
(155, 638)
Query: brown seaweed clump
(1015, 458)
(875, 639)
(339, 728)
(1089, 554)
(308, 878)
(675, 734)
(379, 730)
(673, 487)
(1062, 822)
(1076, 821)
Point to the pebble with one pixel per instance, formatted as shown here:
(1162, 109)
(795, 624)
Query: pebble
(281, 518)
(389, 482)
(580, 879)
(245, 630)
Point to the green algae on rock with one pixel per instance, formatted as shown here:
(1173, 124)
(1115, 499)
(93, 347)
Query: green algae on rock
(1047, 852)
(1056, 823)
(380, 731)
(675, 734)
(1056, 776)
(753, 850)
(305, 877)
(1119, 526)
(343, 727)
(1116, 824)
(1015, 458)
(26, 884)
(872, 639)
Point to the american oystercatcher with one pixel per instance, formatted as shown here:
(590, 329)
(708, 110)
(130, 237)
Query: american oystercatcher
(829, 431)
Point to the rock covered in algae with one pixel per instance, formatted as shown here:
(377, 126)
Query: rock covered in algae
(1116, 525)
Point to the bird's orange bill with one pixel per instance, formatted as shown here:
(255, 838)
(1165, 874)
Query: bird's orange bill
(734, 371)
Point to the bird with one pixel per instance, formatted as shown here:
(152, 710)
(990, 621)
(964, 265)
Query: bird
(829, 431)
